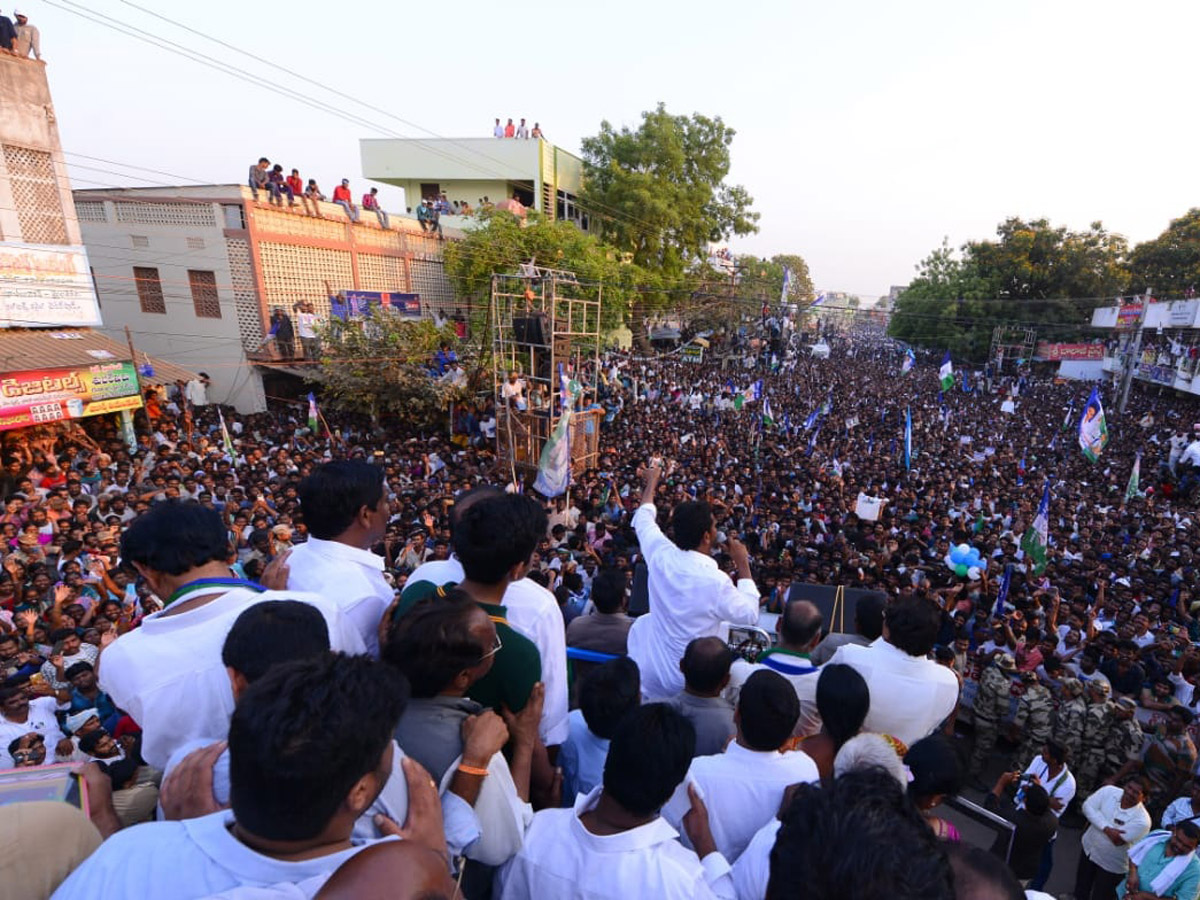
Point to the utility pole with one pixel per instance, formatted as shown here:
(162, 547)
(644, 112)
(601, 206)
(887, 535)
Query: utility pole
(1135, 353)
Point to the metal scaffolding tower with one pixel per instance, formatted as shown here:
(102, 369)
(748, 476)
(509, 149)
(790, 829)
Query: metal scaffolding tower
(1011, 343)
(545, 323)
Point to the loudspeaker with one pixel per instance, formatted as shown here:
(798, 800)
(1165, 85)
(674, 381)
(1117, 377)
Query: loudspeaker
(530, 329)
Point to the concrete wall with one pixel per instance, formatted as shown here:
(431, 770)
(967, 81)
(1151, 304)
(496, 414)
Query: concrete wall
(28, 121)
(471, 191)
(198, 342)
(449, 159)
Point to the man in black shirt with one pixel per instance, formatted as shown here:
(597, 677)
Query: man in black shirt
(8, 34)
(1124, 673)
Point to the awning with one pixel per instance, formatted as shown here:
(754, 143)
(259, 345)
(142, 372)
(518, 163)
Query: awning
(53, 376)
(23, 350)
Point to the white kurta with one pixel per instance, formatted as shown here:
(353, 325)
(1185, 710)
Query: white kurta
(910, 696)
(742, 789)
(194, 858)
(689, 598)
(168, 673)
(348, 577)
(563, 860)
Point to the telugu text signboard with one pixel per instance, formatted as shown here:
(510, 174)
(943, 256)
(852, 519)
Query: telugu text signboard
(48, 395)
(1049, 352)
(41, 285)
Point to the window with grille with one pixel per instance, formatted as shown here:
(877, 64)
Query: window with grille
(195, 243)
(35, 195)
(149, 290)
(204, 293)
(90, 211)
(139, 241)
(144, 212)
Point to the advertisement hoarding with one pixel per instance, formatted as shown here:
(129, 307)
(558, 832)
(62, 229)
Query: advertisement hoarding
(1049, 352)
(356, 304)
(36, 396)
(42, 284)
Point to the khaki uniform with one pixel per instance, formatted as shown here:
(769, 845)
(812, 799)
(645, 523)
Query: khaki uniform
(991, 706)
(1095, 732)
(1068, 726)
(1035, 720)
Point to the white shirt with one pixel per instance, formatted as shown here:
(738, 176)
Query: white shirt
(1058, 787)
(1178, 811)
(1191, 454)
(563, 860)
(752, 871)
(461, 826)
(532, 611)
(689, 598)
(799, 671)
(40, 719)
(197, 392)
(910, 696)
(306, 324)
(347, 577)
(1103, 810)
(194, 858)
(742, 789)
(168, 673)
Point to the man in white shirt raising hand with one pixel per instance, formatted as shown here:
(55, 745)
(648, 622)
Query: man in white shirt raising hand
(689, 595)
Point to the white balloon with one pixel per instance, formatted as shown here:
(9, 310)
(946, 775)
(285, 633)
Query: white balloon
(973, 573)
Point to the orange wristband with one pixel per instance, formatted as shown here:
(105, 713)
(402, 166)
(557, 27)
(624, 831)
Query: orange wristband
(472, 770)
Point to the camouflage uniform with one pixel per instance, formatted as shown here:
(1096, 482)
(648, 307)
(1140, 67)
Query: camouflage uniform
(1035, 716)
(1125, 741)
(1095, 733)
(991, 706)
(1068, 721)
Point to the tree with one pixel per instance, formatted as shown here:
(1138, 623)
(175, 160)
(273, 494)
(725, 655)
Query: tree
(658, 194)
(379, 366)
(1034, 274)
(501, 243)
(1169, 265)
(761, 280)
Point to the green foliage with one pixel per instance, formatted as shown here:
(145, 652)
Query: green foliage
(1169, 265)
(501, 243)
(658, 193)
(1034, 274)
(762, 279)
(378, 365)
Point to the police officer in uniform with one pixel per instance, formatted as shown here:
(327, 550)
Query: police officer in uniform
(1033, 723)
(1095, 732)
(991, 707)
(1069, 719)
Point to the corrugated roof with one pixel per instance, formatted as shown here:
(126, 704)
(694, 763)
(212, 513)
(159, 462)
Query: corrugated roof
(22, 349)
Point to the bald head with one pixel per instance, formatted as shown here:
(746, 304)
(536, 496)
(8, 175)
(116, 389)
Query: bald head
(705, 666)
(800, 626)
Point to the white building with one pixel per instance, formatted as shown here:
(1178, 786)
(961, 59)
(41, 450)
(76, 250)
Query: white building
(195, 272)
(1170, 350)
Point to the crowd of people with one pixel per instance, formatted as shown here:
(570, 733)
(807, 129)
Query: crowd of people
(270, 179)
(20, 38)
(367, 663)
(521, 132)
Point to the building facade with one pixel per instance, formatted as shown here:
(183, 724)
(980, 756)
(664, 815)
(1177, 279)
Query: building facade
(1168, 353)
(535, 172)
(195, 273)
(53, 368)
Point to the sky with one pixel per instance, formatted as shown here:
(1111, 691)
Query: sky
(867, 132)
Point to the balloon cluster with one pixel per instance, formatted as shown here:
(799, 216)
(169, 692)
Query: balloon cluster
(964, 560)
